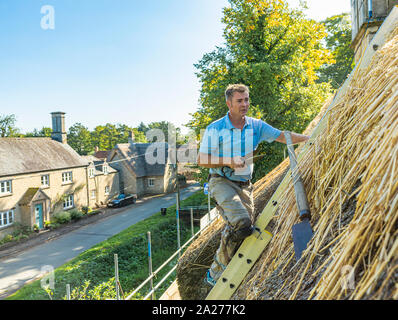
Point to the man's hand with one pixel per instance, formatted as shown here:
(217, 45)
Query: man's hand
(296, 137)
(237, 162)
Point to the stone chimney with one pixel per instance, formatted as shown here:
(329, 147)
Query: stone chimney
(131, 137)
(58, 126)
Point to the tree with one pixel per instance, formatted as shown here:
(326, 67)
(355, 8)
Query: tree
(276, 52)
(338, 41)
(7, 126)
(44, 132)
(79, 138)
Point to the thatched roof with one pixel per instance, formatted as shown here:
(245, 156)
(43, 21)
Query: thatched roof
(350, 175)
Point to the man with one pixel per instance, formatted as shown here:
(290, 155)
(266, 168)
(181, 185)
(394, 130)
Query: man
(226, 148)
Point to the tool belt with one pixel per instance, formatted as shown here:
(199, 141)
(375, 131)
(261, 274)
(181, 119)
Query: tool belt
(239, 183)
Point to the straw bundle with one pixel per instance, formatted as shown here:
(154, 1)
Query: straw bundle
(351, 179)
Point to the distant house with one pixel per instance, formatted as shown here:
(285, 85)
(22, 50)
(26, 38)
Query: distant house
(103, 181)
(137, 172)
(41, 176)
(38, 176)
(101, 154)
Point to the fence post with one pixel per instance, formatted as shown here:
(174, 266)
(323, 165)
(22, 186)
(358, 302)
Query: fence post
(178, 226)
(192, 229)
(68, 291)
(208, 203)
(150, 263)
(117, 276)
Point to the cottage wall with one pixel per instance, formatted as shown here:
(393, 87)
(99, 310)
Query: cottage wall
(98, 184)
(55, 191)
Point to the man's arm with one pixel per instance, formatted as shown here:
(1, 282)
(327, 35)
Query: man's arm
(296, 138)
(210, 161)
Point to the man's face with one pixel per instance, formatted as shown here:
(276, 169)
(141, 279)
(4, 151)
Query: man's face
(239, 104)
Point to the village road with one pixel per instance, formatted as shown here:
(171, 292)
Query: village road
(28, 265)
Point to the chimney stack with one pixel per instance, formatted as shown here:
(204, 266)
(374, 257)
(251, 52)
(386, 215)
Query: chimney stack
(58, 126)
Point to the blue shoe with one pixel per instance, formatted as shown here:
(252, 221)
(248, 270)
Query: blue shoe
(209, 280)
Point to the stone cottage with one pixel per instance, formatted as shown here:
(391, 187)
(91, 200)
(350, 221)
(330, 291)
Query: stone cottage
(103, 181)
(38, 176)
(144, 168)
(41, 176)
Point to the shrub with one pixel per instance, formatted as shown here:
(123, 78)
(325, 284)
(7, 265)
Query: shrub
(75, 214)
(62, 217)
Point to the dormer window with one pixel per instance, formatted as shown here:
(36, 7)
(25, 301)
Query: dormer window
(91, 172)
(105, 169)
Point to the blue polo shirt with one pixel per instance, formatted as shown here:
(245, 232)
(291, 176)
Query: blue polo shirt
(222, 139)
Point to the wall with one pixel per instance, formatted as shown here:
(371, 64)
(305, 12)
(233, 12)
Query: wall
(21, 183)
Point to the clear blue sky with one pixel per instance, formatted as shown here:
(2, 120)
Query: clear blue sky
(117, 61)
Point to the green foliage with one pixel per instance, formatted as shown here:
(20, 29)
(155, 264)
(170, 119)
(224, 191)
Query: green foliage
(19, 232)
(61, 217)
(276, 52)
(44, 132)
(7, 126)
(338, 42)
(75, 214)
(79, 139)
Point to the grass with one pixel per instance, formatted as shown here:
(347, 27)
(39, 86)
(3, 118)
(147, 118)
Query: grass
(91, 273)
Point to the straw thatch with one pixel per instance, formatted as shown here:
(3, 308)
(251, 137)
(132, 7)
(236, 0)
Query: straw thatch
(350, 174)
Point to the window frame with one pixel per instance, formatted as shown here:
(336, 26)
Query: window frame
(7, 214)
(7, 186)
(151, 182)
(69, 175)
(70, 201)
(107, 190)
(48, 180)
(91, 172)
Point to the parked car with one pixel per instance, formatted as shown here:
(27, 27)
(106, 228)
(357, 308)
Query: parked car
(122, 200)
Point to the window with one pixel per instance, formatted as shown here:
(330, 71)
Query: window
(45, 180)
(67, 177)
(92, 194)
(6, 218)
(105, 169)
(5, 187)
(68, 202)
(91, 172)
(151, 182)
(106, 190)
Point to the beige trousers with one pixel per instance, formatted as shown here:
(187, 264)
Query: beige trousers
(235, 205)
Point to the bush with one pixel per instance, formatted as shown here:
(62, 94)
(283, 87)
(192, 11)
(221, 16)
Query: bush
(75, 214)
(62, 217)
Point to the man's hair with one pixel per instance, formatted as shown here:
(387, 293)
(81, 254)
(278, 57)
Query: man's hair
(229, 92)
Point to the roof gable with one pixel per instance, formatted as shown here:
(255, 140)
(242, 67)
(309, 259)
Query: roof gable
(135, 155)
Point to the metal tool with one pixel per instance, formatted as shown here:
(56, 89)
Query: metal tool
(302, 232)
